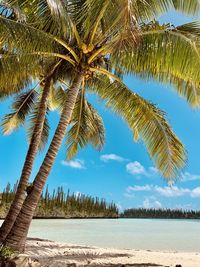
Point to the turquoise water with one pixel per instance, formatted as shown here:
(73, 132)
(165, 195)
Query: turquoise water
(151, 234)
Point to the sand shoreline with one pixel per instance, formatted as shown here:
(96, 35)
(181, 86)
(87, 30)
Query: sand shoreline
(55, 254)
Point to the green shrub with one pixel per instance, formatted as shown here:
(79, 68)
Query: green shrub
(6, 252)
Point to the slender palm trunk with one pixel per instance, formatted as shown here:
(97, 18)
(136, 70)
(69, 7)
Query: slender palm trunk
(28, 164)
(17, 236)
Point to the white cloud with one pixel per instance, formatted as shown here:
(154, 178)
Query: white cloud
(153, 170)
(114, 157)
(175, 191)
(151, 202)
(128, 195)
(167, 191)
(136, 168)
(171, 191)
(76, 164)
(138, 188)
(186, 176)
(195, 192)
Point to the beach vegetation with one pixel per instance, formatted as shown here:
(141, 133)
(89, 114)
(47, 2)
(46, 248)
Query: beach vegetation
(59, 204)
(5, 252)
(160, 213)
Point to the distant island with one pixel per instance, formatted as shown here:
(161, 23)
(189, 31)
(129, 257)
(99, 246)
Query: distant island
(160, 213)
(60, 204)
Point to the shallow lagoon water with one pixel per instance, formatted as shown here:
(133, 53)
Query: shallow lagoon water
(148, 234)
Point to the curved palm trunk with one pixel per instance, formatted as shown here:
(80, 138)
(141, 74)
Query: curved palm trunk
(17, 236)
(28, 164)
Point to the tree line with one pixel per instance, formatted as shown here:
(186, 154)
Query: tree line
(161, 213)
(75, 205)
(61, 204)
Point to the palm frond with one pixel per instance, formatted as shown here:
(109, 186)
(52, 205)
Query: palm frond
(97, 130)
(11, 11)
(189, 7)
(59, 15)
(192, 30)
(162, 144)
(25, 38)
(109, 18)
(151, 9)
(46, 127)
(58, 9)
(86, 129)
(57, 98)
(50, 16)
(21, 107)
(16, 72)
(136, 135)
(168, 56)
(148, 10)
(186, 88)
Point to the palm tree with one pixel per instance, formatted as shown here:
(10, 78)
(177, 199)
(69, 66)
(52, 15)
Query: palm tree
(24, 104)
(100, 40)
(27, 106)
(21, 107)
(38, 132)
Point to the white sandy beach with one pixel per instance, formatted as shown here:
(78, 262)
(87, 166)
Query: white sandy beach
(55, 254)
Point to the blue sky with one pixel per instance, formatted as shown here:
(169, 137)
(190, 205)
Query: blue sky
(122, 171)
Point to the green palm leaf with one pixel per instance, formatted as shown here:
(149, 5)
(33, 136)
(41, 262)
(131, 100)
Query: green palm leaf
(162, 144)
(192, 29)
(87, 128)
(53, 15)
(21, 107)
(46, 127)
(16, 72)
(168, 56)
(96, 129)
(11, 11)
(190, 7)
(29, 39)
(148, 10)
(57, 98)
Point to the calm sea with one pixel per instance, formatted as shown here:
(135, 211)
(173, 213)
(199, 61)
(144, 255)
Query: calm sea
(150, 234)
